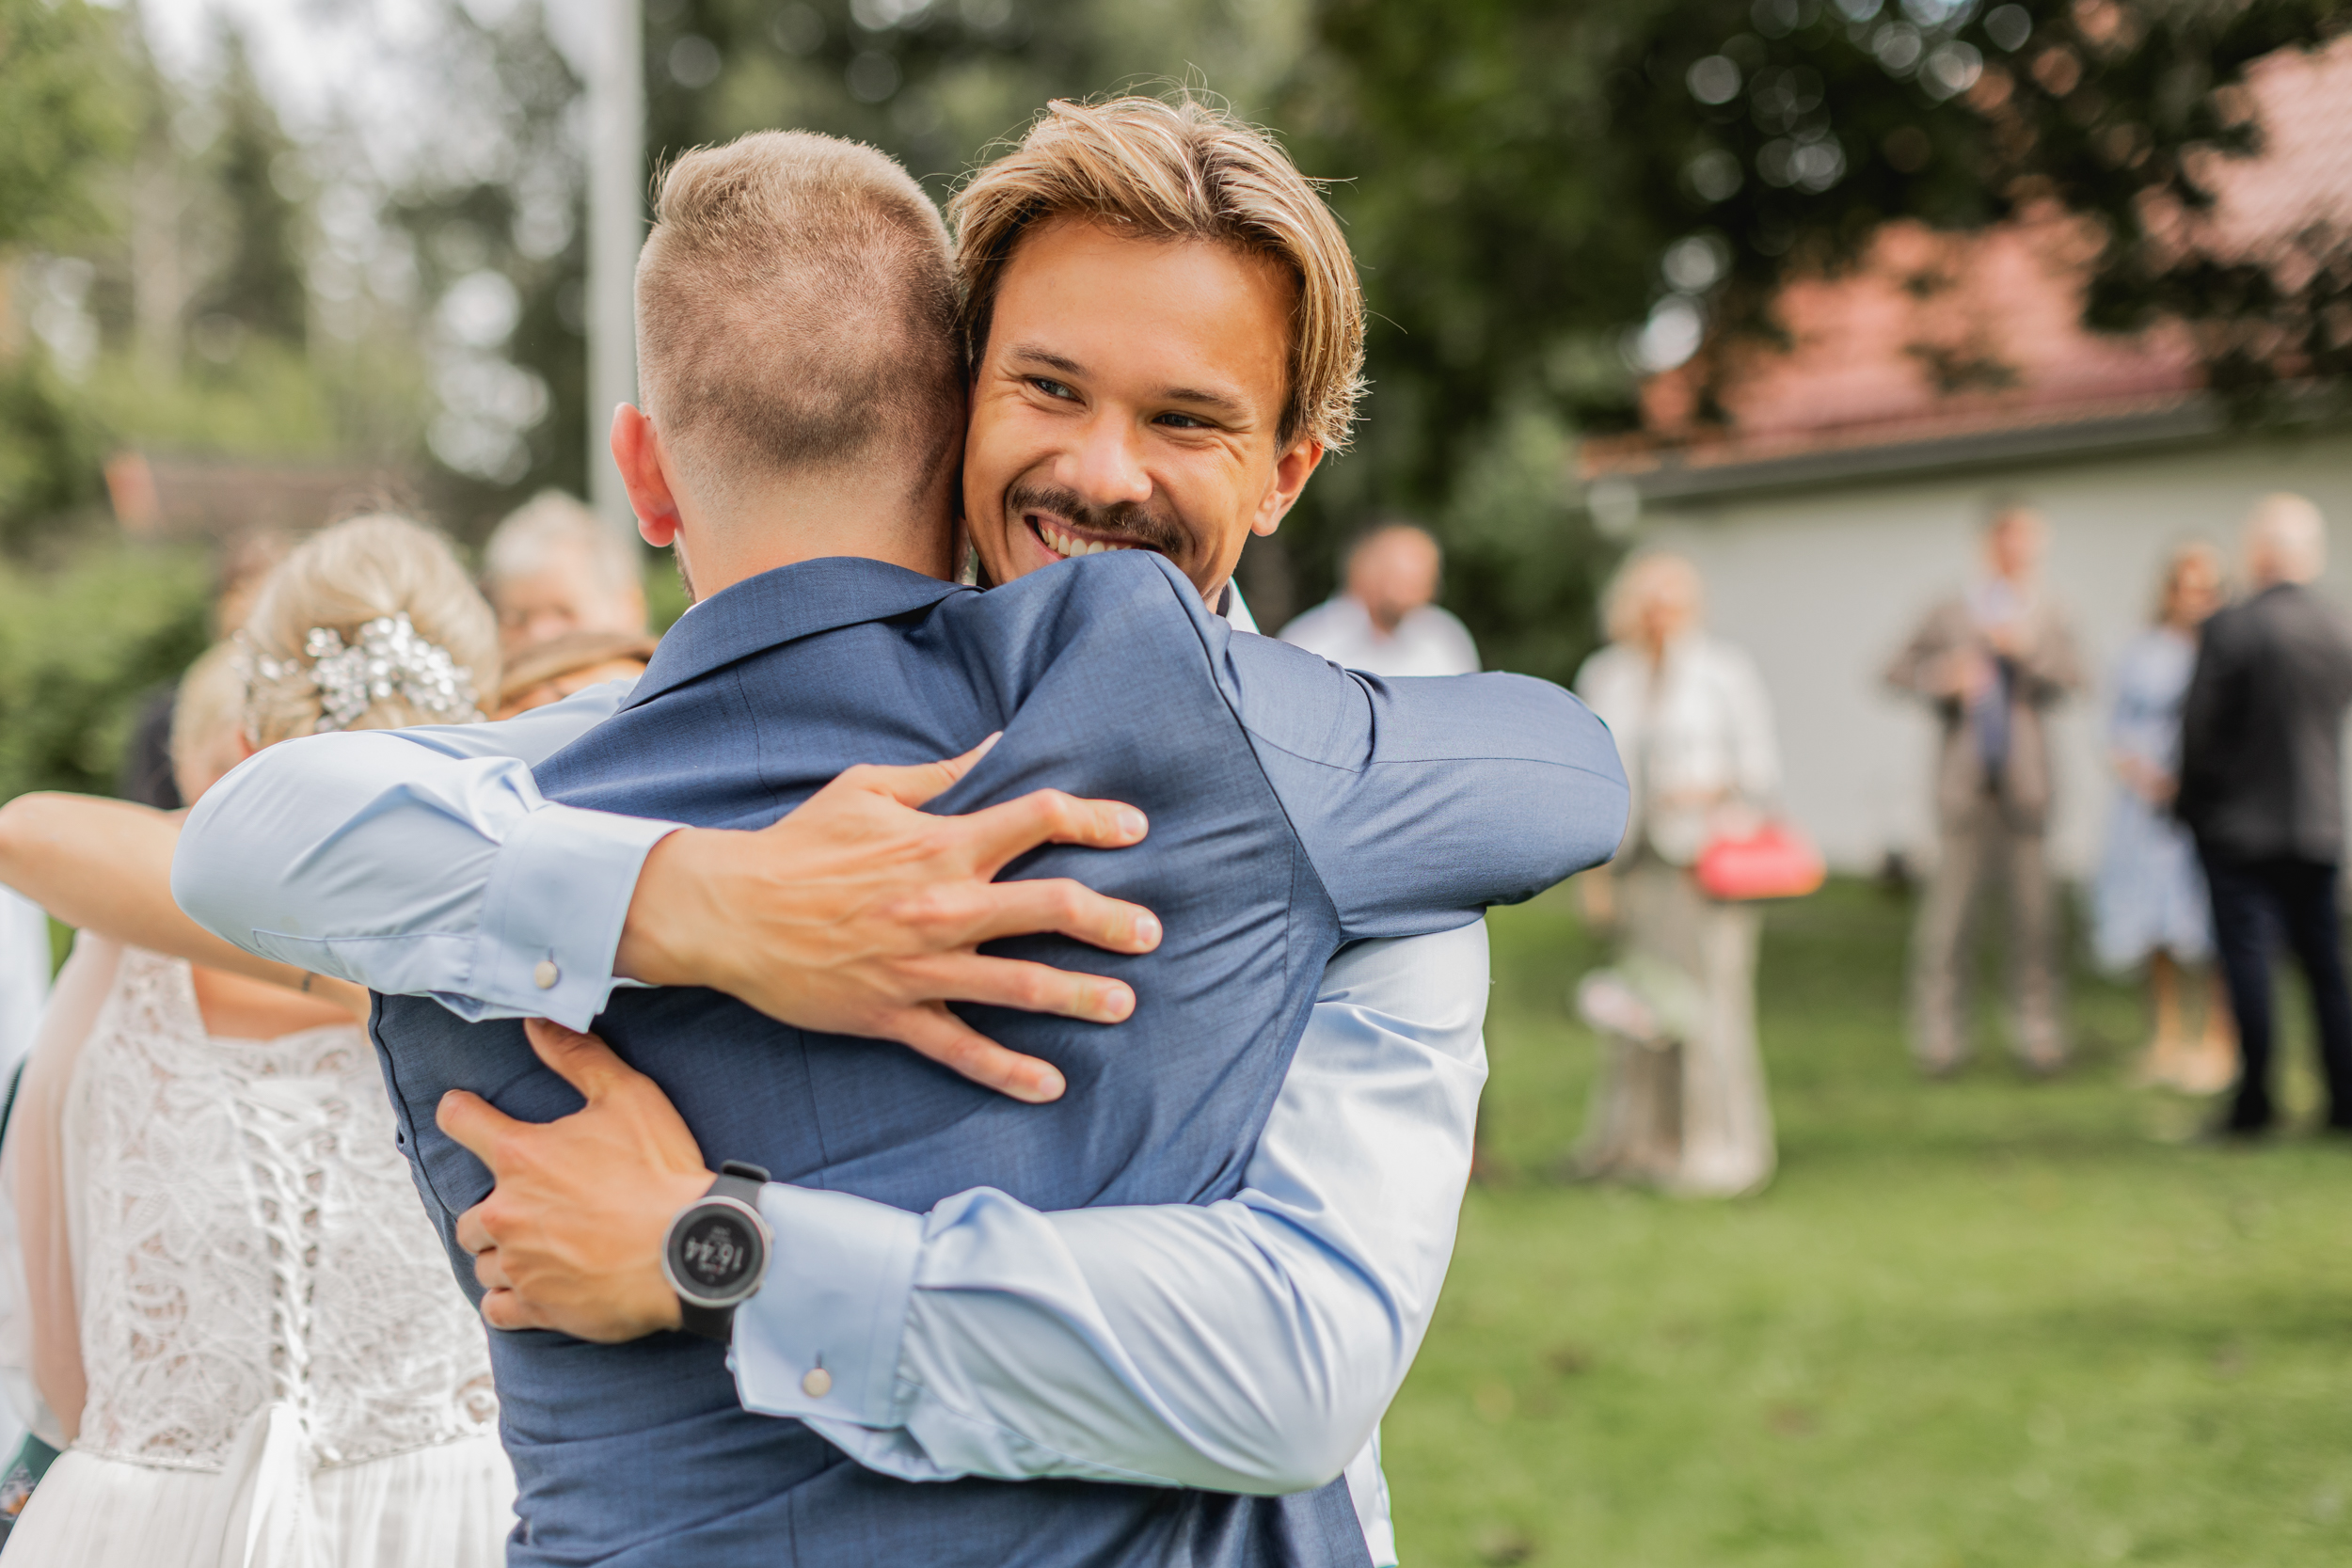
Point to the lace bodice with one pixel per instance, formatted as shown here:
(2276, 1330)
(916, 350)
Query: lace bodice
(245, 1233)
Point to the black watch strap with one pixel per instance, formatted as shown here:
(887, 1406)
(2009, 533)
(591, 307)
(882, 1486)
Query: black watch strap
(740, 1181)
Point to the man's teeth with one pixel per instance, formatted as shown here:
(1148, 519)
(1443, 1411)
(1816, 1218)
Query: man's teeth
(1065, 546)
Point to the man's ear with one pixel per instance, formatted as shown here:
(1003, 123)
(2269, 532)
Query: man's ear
(644, 474)
(1292, 471)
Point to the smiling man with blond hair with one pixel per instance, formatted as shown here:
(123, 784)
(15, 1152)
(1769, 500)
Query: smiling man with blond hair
(1174, 1300)
(1166, 335)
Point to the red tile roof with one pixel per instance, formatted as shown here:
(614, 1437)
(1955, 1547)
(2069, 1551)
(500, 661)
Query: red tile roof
(1940, 336)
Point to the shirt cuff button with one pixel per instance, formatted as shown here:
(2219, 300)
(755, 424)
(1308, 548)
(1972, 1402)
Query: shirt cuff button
(818, 1383)
(545, 974)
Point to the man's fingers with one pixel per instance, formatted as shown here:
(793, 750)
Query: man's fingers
(1068, 908)
(1049, 816)
(1029, 987)
(489, 1271)
(476, 1124)
(583, 1061)
(473, 1234)
(954, 1044)
(917, 783)
(507, 1310)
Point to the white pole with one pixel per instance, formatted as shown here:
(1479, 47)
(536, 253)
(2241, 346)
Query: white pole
(616, 227)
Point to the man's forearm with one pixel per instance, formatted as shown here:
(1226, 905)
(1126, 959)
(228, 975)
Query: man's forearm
(1215, 1347)
(421, 862)
(1247, 1345)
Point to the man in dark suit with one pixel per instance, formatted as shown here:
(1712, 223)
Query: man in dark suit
(2262, 788)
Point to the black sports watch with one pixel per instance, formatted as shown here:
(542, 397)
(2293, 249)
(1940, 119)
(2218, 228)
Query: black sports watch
(717, 1252)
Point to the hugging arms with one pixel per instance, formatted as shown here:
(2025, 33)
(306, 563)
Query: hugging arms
(1246, 1345)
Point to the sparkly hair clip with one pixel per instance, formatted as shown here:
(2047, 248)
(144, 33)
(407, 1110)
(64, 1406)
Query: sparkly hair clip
(390, 661)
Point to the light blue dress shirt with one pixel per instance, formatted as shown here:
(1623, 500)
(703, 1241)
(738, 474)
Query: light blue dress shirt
(1250, 1345)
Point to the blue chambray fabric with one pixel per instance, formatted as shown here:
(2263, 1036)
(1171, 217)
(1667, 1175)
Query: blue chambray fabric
(1292, 806)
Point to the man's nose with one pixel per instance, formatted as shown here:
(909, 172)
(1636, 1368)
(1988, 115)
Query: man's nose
(1105, 467)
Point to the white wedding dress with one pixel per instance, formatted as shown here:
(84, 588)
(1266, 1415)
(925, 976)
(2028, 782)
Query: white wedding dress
(279, 1371)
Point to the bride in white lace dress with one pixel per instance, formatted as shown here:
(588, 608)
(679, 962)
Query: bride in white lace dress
(234, 1316)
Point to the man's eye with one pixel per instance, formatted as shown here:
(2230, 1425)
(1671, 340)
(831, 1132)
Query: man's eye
(1182, 421)
(1051, 389)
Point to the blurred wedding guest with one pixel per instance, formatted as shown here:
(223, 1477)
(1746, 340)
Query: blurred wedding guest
(23, 989)
(1680, 1101)
(2149, 906)
(1991, 661)
(1384, 620)
(145, 775)
(553, 567)
(238, 1323)
(24, 964)
(548, 672)
(2262, 788)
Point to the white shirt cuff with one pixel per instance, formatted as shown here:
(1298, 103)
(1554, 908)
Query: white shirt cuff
(551, 916)
(835, 1300)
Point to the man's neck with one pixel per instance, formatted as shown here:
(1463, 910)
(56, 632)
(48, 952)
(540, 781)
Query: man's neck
(791, 521)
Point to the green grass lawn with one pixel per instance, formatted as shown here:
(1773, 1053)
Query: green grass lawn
(1983, 1322)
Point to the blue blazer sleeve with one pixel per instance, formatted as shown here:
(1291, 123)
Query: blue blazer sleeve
(1422, 800)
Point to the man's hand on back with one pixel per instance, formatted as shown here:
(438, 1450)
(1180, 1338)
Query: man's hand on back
(859, 915)
(570, 1238)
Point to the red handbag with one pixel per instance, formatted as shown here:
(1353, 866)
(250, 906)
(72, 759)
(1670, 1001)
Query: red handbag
(1774, 862)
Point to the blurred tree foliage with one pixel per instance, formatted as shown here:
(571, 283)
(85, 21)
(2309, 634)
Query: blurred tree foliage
(494, 210)
(261, 283)
(81, 647)
(154, 290)
(156, 264)
(936, 82)
(52, 448)
(62, 117)
(62, 125)
(1528, 181)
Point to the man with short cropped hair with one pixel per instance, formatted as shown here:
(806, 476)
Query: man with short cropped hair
(1166, 344)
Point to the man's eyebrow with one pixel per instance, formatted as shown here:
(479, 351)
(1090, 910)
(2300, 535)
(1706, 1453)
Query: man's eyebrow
(1031, 354)
(1230, 406)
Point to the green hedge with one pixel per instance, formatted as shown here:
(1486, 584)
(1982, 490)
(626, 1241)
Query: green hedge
(82, 643)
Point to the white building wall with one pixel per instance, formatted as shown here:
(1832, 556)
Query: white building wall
(1824, 587)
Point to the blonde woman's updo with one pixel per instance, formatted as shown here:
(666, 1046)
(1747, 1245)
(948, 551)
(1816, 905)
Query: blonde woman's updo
(347, 591)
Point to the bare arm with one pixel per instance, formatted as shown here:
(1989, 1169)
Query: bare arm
(105, 865)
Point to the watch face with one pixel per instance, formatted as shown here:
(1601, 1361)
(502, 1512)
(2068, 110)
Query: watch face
(715, 1254)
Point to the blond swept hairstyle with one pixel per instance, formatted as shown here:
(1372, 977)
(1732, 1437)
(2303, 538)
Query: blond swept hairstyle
(796, 309)
(339, 579)
(1177, 170)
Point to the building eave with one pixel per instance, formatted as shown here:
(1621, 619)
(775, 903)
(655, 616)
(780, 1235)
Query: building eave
(1732, 470)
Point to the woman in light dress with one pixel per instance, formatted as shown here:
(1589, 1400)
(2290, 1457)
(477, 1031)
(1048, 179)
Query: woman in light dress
(233, 1315)
(1680, 1103)
(2150, 905)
